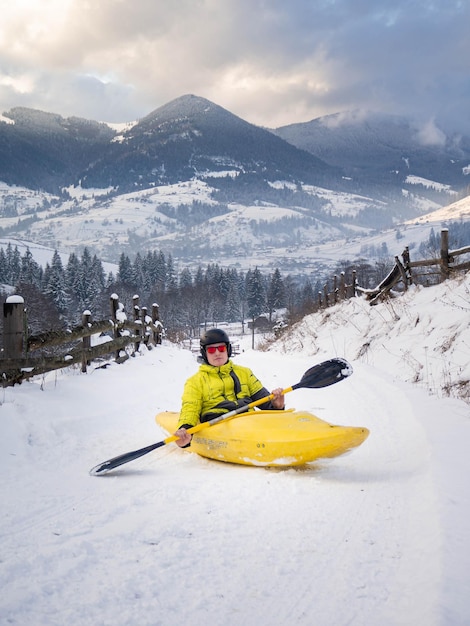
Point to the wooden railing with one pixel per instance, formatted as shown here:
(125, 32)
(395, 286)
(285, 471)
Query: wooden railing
(404, 271)
(56, 349)
(341, 290)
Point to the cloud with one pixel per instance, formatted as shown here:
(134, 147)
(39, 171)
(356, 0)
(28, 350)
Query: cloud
(430, 135)
(272, 63)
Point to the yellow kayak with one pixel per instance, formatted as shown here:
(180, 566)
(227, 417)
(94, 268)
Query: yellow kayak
(270, 438)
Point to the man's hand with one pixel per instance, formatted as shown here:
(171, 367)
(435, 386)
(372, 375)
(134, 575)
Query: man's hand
(278, 401)
(184, 438)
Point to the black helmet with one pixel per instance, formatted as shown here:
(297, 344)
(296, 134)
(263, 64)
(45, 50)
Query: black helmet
(214, 335)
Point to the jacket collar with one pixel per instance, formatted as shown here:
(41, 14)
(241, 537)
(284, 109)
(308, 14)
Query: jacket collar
(223, 369)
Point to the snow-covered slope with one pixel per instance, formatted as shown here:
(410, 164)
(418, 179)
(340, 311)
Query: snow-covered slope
(421, 336)
(455, 211)
(242, 235)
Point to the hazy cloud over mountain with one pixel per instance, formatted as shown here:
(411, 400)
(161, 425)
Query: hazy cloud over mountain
(272, 63)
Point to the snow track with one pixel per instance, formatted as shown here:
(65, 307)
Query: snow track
(175, 539)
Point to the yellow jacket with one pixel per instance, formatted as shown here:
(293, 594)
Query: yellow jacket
(216, 390)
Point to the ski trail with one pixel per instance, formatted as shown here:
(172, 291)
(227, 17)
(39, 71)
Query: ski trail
(385, 498)
(173, 538)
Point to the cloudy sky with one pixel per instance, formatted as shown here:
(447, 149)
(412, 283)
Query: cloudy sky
(272, 62)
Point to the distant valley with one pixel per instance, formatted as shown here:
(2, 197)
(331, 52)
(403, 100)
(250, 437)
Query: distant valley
(196, 181)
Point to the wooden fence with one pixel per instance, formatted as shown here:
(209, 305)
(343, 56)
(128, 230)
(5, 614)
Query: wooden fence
(405, 272)
(58, 349)
(341, 291)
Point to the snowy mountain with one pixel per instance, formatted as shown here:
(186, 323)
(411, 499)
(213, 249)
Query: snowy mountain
(193, 137)
(188, 137)
(378, 149)
(378, 536)
(44, 151)
(197, 181)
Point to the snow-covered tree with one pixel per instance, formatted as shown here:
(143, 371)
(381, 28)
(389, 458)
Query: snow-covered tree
(55, 284)
(275, 296)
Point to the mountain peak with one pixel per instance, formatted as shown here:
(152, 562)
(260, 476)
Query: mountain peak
(191, 101)
(188, 106)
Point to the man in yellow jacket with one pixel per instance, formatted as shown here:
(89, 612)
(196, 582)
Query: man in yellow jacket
(219, 386)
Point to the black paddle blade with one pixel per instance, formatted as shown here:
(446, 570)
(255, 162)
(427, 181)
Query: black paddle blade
(107, 466)
(325, 374)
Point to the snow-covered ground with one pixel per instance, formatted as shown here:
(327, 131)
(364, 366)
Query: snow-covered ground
(102, 222)
(378, 536)
(460, 209)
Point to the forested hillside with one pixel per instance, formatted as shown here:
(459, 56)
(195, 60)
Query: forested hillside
(57, 294)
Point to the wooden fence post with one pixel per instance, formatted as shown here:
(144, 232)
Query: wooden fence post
(157, 336)
(138, 331)
(86, 341)
(342, 286)
(143, 319)
(445, 253)
(403, 274)
(114, 317)
(13, 327)
(354, 283)
(406, 262)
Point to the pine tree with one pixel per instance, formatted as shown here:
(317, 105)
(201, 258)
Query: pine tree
(255, 298)
(185, 298)
(13, 265)
(200, 305)
(55, 283)
(31, 273)
(275, 297)
(72, 274)
(160, 275)
(86, 284)
(3, 267)
(95, 296)
(185, 279)
(137, 273)
(255, 293)
(233, 302)
(147, 272)
(125, 270)
(171, 277)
